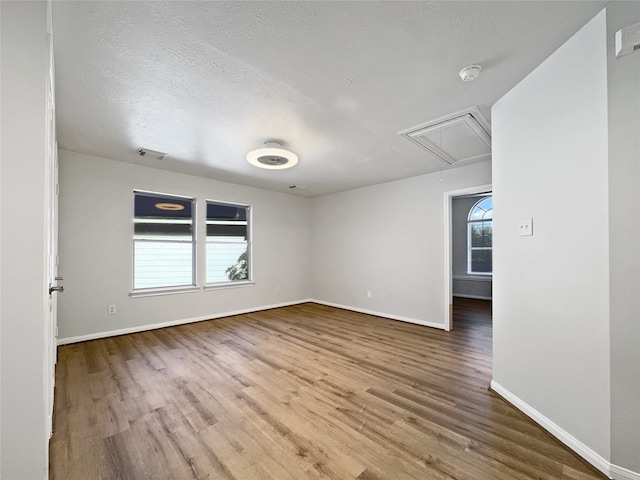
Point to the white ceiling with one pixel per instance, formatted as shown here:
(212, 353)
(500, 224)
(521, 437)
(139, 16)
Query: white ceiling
(335, 81)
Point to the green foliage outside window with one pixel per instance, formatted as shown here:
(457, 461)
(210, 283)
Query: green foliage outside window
(240, 270)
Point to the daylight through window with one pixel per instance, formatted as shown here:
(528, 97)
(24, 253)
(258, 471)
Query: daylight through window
(228, 242)
(480, 237)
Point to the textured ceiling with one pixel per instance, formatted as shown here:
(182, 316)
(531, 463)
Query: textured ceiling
(335, 81)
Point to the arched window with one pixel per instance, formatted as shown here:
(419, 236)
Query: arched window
(480, 238)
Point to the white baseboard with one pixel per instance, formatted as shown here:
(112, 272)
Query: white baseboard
(621, 473)
(439, 326)
(183, 321)
(594, 458)
(172, 323)
(475, 297)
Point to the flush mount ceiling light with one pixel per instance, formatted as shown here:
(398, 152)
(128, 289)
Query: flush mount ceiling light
(272, 156)
(470, 73)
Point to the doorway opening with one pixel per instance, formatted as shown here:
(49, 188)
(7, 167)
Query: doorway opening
(467, 258)
(474, 327)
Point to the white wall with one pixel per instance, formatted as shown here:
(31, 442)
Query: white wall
(387, 239)
(96, 209)
(551, 301)
(23, 57)
(624, 221)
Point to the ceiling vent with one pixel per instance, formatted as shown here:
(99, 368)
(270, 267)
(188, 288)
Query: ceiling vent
(453, 139)
(628, 40)
(147, 152)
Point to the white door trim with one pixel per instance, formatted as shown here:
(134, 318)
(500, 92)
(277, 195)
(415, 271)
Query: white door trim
(448, 259)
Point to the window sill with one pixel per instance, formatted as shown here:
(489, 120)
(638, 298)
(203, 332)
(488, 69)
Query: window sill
(220, 286)
(154, 292)
(476, 277)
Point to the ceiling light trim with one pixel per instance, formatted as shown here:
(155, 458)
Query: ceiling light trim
(272, 156)
(174, 207)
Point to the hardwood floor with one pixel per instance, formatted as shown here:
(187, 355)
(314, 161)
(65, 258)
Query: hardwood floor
(302, 392)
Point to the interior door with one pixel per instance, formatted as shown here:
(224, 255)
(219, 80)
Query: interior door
(51, 195)
(54, 289)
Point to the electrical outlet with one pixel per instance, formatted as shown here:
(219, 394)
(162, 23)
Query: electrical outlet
(368, 293)
(112, 310)
(384, 297)
(277, 289)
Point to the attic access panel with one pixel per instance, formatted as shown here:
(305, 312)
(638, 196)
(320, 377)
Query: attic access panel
(457, 138)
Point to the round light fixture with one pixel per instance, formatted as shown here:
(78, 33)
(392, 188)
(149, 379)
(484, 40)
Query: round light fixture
(272, 156)
(174, 207)
(470, 73)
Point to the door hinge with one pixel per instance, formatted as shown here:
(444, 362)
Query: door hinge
(57, 189)
(57, 260)
(56, 331)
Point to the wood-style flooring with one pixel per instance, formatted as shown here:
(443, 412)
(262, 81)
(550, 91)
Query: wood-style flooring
(295, 393)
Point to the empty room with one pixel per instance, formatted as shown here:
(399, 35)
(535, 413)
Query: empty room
(341, 240)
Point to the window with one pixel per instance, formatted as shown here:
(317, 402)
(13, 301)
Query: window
(163, 241)
(480, 237)
(228, 242)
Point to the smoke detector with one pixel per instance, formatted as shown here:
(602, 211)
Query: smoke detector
(272, 156)
(470, 73)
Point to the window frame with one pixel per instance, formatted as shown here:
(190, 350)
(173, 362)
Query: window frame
(249, 243)
(470, 247)
(166, 289)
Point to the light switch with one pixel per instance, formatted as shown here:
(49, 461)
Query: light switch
(525, 227)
